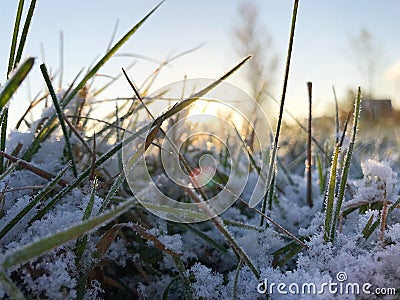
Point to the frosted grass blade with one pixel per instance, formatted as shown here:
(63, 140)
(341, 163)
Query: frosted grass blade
(60, 115)
(47, 243)
(15, 81)
(347, 162)
(282, 105)
(330, 196)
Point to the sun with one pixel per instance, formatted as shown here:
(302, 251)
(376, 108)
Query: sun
(206, 107)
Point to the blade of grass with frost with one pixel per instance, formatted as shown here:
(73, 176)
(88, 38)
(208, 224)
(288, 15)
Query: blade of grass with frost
(10, 287)
(242, 225)
(347, 162)
(330, 197)
(24, 33)
(203, 236)
(174, 211)
(15, 36)
(7, 172)
(187, 288)
(81, 242)
(321, 174)
(15, 81)
(282, 105)
(249, 154)
(271, 195)
(285, 231)
(3, 135)
(114, 188)
(309, 149)
(60, 115)
(50, 242)
(368, 231)
(236, 281)
(367, 227)
(219, 224)
(168, 288)
(85, 174)
(284, 254)
(47, 128)
(34, 201)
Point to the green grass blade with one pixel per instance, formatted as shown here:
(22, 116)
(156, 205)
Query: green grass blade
(10, 287)
(34, 201)
(368, 230)
(282, 105)
(81, 243)
(215, 244)
(321, 174)
(309, 149)
(286, 253)
(114, 188)
(60, 115)
(168, 288)
(47, 243)
(15, 81)
(3, 135)
(330, 197)
(47, 129)
(345, 170)
(187, 288)
(236, 281)
(24, 33)
(15, 36)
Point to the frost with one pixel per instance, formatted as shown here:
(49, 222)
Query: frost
(208, 284)
(172, 242)
(379, 182)
(94, 292)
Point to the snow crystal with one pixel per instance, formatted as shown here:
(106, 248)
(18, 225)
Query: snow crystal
(208, 284)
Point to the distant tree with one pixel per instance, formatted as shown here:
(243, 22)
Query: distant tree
(366, 53)
(250, 37)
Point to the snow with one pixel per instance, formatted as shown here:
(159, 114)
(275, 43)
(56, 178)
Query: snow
(212, 272)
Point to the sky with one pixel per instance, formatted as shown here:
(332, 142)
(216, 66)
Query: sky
(321, 53)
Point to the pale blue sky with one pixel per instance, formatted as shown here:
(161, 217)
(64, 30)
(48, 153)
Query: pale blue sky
(321, 53)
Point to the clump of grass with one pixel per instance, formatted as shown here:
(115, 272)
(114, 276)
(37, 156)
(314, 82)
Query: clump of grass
(112, 214)
(334, 200)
